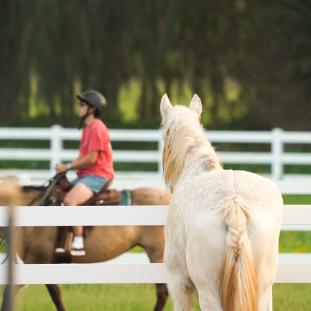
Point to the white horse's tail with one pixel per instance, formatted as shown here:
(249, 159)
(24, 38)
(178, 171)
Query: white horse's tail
(238, 280)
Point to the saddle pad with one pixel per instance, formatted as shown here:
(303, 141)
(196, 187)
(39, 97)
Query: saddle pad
(126, 198)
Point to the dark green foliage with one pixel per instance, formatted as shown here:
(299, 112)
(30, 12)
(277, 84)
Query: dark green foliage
(249, 60)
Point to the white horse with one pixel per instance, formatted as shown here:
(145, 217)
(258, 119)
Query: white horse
(223, 226)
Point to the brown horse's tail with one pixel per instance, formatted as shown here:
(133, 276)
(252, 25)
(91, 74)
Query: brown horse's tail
(238, 280)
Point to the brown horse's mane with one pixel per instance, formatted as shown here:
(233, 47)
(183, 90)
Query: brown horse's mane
(31, 194)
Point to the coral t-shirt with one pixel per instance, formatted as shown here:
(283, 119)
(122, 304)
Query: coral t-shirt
(95, 137)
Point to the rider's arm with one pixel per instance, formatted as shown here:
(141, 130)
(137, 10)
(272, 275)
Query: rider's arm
(80, 161)
(85, 160)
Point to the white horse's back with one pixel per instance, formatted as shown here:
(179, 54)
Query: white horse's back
(211, 191)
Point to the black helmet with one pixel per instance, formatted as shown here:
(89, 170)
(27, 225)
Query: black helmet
(93, 98)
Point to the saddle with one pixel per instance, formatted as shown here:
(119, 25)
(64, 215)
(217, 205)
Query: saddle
(104, 197)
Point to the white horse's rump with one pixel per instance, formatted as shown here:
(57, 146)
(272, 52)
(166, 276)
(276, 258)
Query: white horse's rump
(223, 226)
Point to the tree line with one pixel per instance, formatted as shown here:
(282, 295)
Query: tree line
(249, 60)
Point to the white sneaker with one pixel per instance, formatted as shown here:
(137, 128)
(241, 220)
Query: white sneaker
(77, 251)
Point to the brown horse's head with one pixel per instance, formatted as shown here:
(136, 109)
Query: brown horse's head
(10, 195)
(10, 191)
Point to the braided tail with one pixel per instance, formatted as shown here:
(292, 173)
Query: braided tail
(238, 281)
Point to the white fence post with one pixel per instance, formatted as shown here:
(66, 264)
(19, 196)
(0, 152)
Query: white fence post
(277, 152)
(56, 146)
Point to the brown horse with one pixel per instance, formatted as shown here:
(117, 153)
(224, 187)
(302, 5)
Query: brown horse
(36, 244)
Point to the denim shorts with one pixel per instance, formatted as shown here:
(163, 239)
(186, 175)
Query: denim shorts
(95, 183)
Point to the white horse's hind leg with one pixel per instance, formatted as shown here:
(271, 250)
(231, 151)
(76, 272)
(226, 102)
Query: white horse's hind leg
(181, 290)
(264, 300)
(209, 300)
(266, 277)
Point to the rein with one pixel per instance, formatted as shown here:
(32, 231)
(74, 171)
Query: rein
(51, 184)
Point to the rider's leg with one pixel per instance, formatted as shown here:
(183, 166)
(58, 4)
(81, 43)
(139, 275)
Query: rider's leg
(78, 195)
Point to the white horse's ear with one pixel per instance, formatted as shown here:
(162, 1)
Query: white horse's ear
(165, 106)
(196, 105)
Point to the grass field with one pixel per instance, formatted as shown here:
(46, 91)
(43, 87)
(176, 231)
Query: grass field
(286, 297)
(296, 242)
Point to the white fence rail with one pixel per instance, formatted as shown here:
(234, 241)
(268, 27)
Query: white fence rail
(276, 157)
(292, 269)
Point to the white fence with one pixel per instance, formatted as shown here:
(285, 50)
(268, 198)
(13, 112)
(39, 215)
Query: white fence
(276, 157)
(293, 269)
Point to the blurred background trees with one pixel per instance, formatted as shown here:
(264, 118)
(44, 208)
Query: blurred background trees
(249, 60)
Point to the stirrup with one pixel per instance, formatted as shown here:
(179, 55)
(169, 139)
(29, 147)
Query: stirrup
(59, 250)
(77, 251)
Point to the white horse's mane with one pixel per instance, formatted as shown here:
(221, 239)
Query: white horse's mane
(185, 145)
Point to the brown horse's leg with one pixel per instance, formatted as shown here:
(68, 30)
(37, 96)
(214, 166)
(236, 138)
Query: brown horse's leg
(162, 295)
(5, 302)
(56, 296)
(155, 254)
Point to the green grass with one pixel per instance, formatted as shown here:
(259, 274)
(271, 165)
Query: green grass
(286, 297)
(2, 246)
(291, 297)
(90, 298)
(297, 199)
(295, 241)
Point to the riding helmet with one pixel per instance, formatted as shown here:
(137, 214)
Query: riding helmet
(93, 98)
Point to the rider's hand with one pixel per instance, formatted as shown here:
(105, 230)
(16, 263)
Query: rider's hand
(60, 167)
